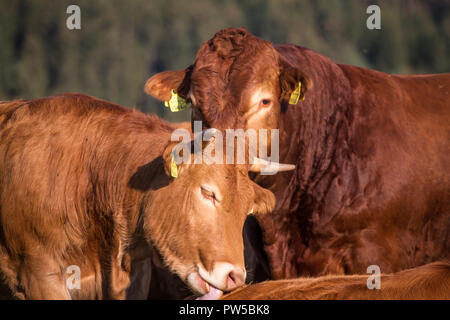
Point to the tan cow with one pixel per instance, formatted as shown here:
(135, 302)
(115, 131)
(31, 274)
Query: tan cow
(84, 186)
(431, 281)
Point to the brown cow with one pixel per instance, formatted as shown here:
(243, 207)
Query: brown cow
(372, 178)
(84, 182)
(431, 281)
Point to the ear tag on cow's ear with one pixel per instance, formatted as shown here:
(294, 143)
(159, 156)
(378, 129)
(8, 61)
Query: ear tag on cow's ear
(296, 94)
(173, 168)
(251, 211)
(176, 103)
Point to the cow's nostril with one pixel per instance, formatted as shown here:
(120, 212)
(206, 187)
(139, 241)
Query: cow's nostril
(224, 276)
(231, 282)
(231, 278)
(235, 279)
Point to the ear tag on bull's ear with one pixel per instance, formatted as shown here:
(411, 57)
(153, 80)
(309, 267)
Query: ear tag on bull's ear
(173, 168)
(251, 211)
(176, 103)
(296, 94)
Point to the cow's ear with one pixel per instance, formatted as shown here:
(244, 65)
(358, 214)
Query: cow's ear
(161, 84)
(264, 201)
(171, 168)
(290, 79)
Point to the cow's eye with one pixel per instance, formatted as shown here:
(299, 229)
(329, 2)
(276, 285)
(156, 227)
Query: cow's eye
(265, 102)
(208, 194)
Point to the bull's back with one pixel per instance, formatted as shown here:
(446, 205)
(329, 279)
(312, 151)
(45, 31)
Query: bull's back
(429, 91)
(423, 98)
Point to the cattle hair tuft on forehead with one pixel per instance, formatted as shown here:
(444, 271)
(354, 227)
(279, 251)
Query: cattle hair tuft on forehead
(228, 42)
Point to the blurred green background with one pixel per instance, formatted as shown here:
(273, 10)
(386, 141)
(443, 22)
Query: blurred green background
(122, 43)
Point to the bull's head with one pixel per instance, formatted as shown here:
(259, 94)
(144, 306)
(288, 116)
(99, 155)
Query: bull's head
(236, 81)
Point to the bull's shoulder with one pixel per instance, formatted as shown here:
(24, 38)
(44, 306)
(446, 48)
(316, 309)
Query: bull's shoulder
(303, 57)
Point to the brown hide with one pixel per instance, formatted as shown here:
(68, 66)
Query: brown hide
(430, 282)
(83, 182)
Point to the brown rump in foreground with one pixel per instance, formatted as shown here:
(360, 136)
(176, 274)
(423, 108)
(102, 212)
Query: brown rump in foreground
(431, 281)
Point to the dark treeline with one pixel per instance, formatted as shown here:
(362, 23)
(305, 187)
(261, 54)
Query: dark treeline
(121, 43)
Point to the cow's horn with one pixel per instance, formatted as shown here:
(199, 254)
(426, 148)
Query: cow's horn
(269, 166)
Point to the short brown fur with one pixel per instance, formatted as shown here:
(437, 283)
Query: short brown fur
(82, 182)
(430, 282)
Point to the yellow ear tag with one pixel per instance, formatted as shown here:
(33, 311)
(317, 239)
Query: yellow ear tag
(176, 103)
(295, 96)
(173, 169)
(251, 211)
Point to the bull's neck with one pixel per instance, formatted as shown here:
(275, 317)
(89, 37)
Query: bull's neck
(320, 126)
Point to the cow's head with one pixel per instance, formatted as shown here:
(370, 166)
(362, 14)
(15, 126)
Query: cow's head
(236, 81)
(196, 222)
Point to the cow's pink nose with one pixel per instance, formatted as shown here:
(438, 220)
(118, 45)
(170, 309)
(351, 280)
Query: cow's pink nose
(236, 278)
(224, 276)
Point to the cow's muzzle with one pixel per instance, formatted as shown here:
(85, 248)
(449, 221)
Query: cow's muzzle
(223, 278)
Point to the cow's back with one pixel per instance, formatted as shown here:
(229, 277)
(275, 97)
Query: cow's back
(45, 164)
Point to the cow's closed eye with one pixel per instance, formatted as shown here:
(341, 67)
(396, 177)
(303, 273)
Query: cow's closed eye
(208, 194)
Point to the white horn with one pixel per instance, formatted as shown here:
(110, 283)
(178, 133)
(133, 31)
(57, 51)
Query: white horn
(269, 167)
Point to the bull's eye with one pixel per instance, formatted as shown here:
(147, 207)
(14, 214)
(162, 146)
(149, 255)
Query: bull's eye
(264, 103)
(208, 194)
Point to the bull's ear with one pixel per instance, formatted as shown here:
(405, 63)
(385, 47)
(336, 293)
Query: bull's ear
(161, 84)
(293, 82)
(264, 201)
